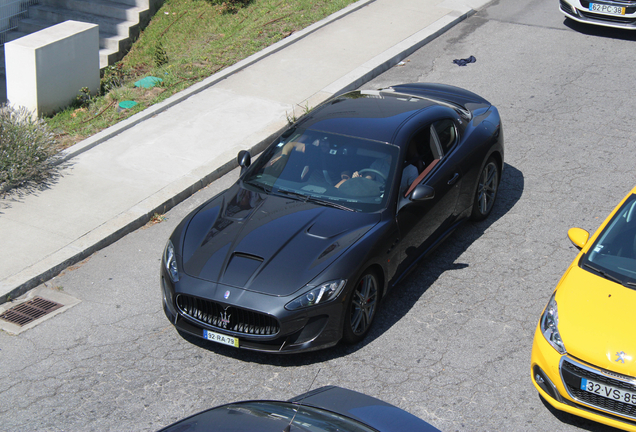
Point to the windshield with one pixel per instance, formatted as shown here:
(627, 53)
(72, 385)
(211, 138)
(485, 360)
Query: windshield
(614, 253)
(306, 419)
(342, 171)
(267, 416)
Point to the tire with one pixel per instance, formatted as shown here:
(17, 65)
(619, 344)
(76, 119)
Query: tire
(486, 191)
(361, 308)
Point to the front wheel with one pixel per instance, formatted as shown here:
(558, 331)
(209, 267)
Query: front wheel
(361, 308)
(486, 193)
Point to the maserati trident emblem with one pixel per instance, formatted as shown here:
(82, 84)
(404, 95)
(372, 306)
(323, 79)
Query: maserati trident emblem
(620, 357)
(226, 295)
(225, 319)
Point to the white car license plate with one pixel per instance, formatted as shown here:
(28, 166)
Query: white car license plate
(609, 392)
(222, 339)
(607, 9)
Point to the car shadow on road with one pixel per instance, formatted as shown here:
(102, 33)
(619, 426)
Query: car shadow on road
(575, 421)
(395, 307)
(600, 31)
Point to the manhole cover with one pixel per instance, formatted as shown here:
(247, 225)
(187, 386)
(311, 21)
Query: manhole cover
(24, 313)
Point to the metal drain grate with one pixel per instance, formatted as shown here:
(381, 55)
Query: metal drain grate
(27, 312)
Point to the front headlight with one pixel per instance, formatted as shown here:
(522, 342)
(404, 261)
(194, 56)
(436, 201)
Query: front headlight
(321, 294)
(170, 262)
(550, 325)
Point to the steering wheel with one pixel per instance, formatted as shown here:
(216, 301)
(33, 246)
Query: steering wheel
(371, 170)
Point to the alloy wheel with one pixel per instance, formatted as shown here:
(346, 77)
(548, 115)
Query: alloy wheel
(363, 304)
(487, 188)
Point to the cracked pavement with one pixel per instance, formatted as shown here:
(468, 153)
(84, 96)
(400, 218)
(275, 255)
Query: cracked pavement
(452, 343)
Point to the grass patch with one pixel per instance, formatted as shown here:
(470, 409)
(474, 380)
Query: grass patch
(186, 42)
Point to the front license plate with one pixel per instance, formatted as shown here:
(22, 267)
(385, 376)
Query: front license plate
(220, 338)
(609, 392)
(607, 9)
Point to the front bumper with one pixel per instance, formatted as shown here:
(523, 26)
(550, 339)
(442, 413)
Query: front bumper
(580, 10)
(557, 378)
(304, 330)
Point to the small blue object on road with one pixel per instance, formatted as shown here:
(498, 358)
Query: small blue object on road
(464, 62)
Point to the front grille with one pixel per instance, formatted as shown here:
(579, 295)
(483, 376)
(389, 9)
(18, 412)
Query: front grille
(629, 4)
(227, 318)
(572, 374)
(608, 18)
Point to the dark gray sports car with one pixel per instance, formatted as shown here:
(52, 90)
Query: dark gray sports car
(326, 409)
(299, 252)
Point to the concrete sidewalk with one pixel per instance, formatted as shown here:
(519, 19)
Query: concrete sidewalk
(116, 180)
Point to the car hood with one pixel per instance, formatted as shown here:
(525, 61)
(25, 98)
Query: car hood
(597, 320)
(268, 244)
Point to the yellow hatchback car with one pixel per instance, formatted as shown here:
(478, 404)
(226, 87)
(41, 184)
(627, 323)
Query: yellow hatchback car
(584, 350)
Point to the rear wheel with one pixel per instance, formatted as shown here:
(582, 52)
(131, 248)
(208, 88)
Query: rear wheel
(486, 193)
(361, 308)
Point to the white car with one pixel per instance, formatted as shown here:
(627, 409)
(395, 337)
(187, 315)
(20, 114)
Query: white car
(608, 13)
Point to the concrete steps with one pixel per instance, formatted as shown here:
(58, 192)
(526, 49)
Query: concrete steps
(103, 8)
(119, 21)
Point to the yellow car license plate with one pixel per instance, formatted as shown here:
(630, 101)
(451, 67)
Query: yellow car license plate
(609, 392)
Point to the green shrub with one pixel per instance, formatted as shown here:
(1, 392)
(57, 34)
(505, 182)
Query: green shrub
(83, 98)
(113, 77)
(160, 55)
(27, 148)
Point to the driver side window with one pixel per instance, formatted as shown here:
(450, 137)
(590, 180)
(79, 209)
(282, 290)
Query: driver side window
(446, 134)
(423, 153)
(426, 148)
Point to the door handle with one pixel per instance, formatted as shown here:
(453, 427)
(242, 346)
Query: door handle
(454, 179)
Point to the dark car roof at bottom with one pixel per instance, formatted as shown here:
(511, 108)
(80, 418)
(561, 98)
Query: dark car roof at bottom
(371, 115)
(366, 409)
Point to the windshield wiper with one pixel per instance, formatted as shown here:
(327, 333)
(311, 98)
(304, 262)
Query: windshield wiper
(293, 195)
(313, 199)
(605, 274)
(329, 203)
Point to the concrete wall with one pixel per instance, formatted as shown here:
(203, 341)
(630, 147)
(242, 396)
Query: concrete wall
(45, 70)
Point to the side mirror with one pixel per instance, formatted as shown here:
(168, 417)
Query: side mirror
(244, 159)
(422, 193)
(578, 237)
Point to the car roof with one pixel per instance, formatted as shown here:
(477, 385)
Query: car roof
(349, 404)
(369, 114)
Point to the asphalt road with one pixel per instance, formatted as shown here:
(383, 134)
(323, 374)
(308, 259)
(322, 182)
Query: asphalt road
(452, 344)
